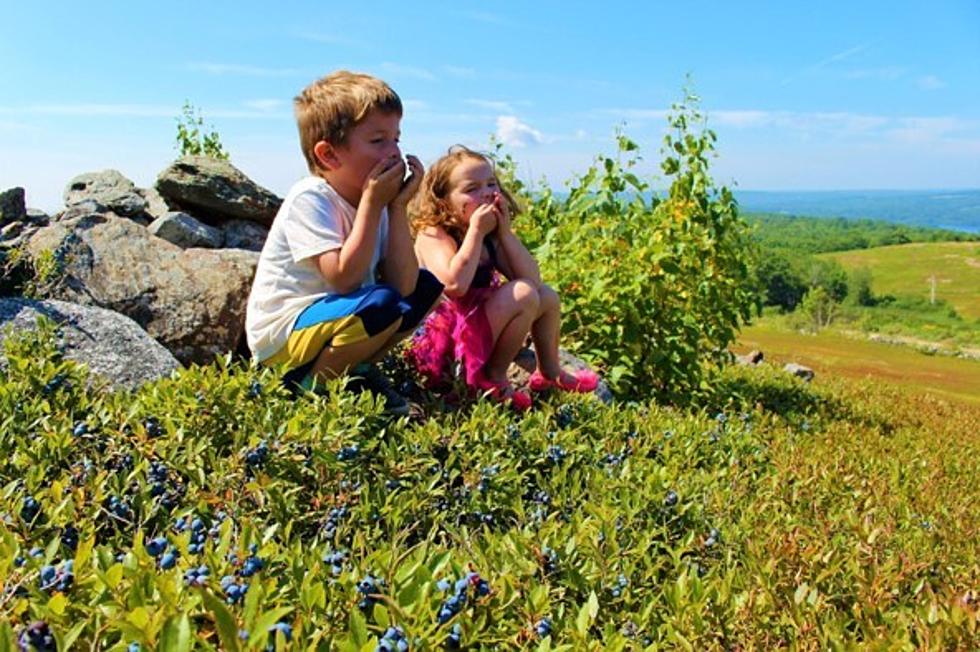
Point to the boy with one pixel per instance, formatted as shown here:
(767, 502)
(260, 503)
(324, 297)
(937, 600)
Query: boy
(316, 306)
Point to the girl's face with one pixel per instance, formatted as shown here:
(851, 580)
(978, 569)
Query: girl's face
(471, 183)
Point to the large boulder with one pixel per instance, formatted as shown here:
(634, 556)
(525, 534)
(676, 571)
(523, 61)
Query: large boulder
(12, 207)
(192, 301)
(184, 231)
(109, 188)
(214, 190)
(242, 234)
(112, 346)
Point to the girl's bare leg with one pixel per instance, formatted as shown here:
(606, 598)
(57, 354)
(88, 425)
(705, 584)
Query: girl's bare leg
(545, 332)
(334, 361)
(510, 310)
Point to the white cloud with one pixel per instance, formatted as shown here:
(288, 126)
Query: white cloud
(930, 83)
(241, 69)
(407, 71)
(514, 133)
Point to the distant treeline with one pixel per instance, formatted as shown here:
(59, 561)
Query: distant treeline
(814, 235)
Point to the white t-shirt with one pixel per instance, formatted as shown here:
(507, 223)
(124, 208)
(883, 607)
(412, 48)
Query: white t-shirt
(312, 220)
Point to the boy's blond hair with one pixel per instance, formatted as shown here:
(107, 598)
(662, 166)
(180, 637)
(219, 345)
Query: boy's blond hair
(331, 106)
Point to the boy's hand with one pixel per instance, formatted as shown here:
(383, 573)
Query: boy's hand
(502, 212)
(484, 219)
(411, 185)
(384, 181)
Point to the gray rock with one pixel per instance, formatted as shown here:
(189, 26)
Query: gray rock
(184, 231)
(37, 217)
(751, 358)
(156, 205)
(798, 370)
(109, 188)
(12, 207)
(214, 189)
(113, 346)
(242, 234)
(192, 301)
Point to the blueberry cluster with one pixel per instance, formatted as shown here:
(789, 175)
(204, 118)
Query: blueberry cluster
(58, 579)
(543, 627)
(461, 589)
(80, 429)
(69, 537)
(392, 641)
(348, 453)
(37, 636)
(336, 560)
(513, 432)
(334, 518)
(455, 639)
(152, 427)
(564, 416)
(253, 563)
(713, 536)
(30, 509)
(254, 389)
(258, 456)
(619, 586)
(57, 382)
(159, 473)
(199, 532)
(118, 508)
(234, 590)
(486, 475)
(671, 498)
(556, 454)
(196, 576)
(368, 587)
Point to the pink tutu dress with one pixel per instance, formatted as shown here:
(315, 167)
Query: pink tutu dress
(456, 340)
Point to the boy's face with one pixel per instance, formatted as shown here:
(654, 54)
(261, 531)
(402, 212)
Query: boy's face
(374, 139)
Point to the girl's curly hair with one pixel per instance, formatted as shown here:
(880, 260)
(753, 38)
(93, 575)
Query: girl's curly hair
(431, 206)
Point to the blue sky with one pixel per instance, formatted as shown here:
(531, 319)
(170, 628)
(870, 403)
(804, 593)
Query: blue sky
(832, 95)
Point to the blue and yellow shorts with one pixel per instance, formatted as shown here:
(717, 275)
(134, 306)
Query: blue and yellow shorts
(343, 319)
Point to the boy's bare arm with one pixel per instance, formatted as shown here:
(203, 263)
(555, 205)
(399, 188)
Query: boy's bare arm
(400, 267)
(346, 267)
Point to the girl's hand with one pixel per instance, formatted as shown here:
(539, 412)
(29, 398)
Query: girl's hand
(484, 219)
(502, 212)
(411, 185)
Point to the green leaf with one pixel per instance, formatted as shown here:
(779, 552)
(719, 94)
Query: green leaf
(358, 628)
(270, 618)
(380, 614)
(225, 621)
(57, 604)
(176, 636)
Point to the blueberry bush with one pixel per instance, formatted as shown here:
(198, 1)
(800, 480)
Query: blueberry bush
(653, 288)
(213, 510)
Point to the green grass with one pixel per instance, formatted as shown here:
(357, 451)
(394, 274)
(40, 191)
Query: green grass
(832, 354)
(844, 515)
(906, 270)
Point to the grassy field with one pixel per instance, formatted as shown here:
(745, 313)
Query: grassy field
(906, 269)
(830, 353)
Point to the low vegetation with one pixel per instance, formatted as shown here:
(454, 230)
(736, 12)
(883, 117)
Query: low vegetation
(212, 510)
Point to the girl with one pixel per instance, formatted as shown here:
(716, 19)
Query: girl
(464, 237)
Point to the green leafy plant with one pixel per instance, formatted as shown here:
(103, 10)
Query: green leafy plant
(193, 139)
(653, 288)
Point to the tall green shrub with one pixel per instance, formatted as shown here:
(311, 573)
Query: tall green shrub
(653, 289)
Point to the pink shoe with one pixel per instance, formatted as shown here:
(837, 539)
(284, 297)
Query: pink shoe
(504, 393)
(584, 380)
